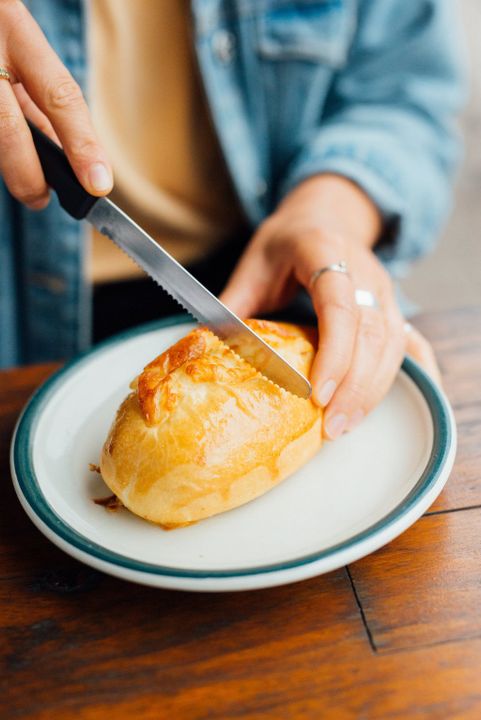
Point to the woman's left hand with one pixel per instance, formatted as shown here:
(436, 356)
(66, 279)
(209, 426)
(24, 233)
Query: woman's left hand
(327, 219)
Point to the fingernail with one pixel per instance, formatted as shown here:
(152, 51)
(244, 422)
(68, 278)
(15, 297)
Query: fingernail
(336, 425)
(355, 420)
(326, 393)
(99, 177)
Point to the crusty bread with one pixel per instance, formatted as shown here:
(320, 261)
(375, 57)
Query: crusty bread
(204, 432)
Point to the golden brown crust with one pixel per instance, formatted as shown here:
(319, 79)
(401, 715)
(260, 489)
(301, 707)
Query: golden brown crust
(205, 432)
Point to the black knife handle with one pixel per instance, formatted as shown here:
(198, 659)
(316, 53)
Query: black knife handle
(60, 176)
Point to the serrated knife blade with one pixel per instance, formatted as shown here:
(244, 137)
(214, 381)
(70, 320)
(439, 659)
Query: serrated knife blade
(111, 221)
(162, 267)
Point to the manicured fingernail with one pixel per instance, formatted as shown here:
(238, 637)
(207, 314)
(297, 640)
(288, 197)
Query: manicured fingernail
(326, 393)
(355, 420)
(99, 177)
(336, 425)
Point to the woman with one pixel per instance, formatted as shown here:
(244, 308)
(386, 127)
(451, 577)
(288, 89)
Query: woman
(322, 129)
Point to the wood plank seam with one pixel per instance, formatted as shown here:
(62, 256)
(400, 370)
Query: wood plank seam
(369, 634)
(400, 649)
(451, 510)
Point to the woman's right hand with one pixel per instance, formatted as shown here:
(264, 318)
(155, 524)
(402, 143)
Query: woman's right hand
(43, 90)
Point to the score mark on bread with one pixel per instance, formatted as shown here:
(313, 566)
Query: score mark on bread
(203, 431)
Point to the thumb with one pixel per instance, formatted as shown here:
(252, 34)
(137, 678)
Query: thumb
(249, 287)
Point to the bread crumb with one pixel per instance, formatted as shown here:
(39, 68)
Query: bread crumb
(111, 502)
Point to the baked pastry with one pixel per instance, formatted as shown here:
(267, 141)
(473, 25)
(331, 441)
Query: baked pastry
(204, 432)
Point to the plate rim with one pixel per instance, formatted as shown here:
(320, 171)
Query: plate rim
(31, 496)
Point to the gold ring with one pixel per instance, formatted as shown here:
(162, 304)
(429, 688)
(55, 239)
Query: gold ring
(4, 74)
(339, 267)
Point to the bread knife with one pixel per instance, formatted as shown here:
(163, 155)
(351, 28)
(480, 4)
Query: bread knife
(111, 221)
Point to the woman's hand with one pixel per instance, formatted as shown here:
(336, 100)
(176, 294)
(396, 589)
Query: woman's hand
(327, 219)
(43, 90)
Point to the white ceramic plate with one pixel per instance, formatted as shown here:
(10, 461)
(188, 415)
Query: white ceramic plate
(356, 495)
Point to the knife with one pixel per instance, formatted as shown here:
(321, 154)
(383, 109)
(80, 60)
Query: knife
(110, 220)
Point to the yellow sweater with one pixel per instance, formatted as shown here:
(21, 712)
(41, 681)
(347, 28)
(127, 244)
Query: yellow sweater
(152, 117)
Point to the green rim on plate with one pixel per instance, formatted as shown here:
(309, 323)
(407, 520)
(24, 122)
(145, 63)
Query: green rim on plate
(23, 465)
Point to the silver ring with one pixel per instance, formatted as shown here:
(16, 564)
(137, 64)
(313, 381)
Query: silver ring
(339, 267)
(365, 298)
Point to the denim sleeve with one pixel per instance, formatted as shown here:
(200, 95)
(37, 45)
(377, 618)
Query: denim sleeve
(389, 121)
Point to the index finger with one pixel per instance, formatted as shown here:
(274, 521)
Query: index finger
(57, 94)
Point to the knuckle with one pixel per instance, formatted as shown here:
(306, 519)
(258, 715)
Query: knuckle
(10, 123)
(338, 358)
(311, 238)
(27, 192)
(83, 149)
(316, 235)
(310, 235)
(355, 394)
(373, 333)
(64, 94)
(29, 196)
(340, 306)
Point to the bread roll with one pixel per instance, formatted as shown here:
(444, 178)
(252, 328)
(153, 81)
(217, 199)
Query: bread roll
(204, 432)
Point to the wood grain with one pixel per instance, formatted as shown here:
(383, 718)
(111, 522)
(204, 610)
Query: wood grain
(81, 638)
(395, 636)
(425, 587)
(430, 684)
(456, 337)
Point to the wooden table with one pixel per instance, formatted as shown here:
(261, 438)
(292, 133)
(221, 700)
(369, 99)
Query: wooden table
(396, 635)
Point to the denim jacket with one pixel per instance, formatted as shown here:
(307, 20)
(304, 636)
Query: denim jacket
(364, 88)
